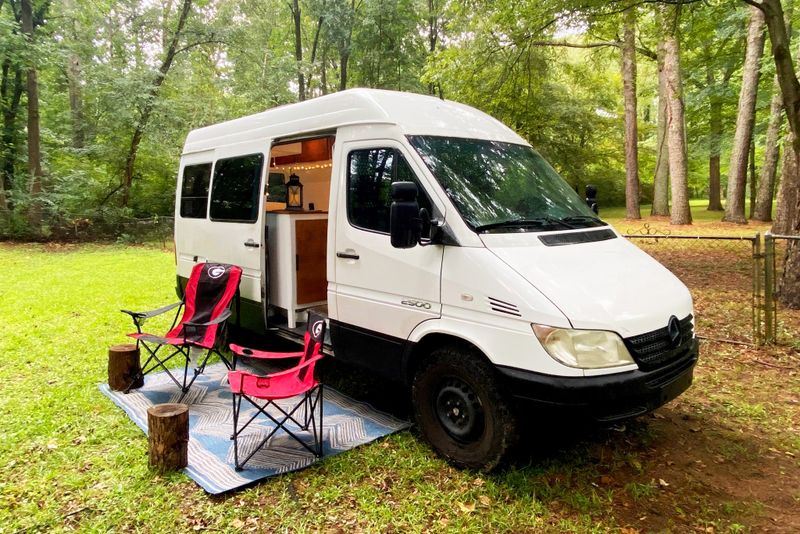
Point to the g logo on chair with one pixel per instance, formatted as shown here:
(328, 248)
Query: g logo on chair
(216, 271)
(316, 329)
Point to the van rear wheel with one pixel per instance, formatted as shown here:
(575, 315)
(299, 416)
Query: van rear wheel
(460, 409)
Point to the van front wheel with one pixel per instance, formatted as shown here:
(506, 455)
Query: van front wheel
(460, 410)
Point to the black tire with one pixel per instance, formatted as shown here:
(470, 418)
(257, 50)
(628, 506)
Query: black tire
(460, 410)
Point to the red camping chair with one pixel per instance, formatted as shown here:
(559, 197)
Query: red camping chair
(206, 307)
(263, 391)
(314, 335)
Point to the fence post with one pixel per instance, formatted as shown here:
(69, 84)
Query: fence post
(770, 323)
(758, 337)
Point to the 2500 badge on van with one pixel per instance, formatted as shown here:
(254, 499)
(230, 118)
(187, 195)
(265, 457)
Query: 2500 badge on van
(446, 253)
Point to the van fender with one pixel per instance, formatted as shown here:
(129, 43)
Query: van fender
(511, 344)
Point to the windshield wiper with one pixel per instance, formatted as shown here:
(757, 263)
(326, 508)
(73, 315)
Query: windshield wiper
(522, 222)
(584, 219)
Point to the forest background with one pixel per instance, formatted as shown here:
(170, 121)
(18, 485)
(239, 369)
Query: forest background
(654, 102)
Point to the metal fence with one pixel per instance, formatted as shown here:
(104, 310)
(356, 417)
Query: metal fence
(780, 324)
(128, 230)
(724, 275)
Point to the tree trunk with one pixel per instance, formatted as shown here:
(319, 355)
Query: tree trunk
(785, 213)
(149, 103)
(745, 119)
(34, 138)
(766, 182)
(168, 436)
(676, 132)
(10, 98)
(790, 90)
(344, 48)
(323, 75)
(661, 178)
(75, 100)
(714, 138)
(298, 50)
(433, 37)
(753, 174)
(344, 57)
(631, 127)
(124, 368)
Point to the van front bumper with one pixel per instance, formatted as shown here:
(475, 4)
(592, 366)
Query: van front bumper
(605, 398)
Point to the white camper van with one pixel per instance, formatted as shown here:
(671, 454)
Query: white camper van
(446, 253)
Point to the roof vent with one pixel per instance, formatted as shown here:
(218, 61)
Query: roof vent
(504, 307)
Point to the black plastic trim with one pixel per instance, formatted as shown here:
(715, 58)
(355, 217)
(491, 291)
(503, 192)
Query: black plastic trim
(574, 238)
(378, 352)
(603, 398)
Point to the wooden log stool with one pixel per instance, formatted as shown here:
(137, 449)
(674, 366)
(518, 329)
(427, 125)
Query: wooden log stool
(168, 436)
(124, 371)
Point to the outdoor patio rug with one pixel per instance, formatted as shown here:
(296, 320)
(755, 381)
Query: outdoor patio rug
(347, 423)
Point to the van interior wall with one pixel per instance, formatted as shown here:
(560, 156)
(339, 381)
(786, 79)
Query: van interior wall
(316, 186)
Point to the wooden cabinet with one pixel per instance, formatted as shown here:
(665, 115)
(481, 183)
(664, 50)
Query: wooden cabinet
(297, 248)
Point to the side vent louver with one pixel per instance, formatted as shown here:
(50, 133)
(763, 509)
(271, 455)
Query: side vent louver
(504, 307)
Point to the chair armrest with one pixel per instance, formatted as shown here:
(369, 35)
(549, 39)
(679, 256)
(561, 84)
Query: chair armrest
(262, 354)
(222, 317)
(152, 313)
(296, 368)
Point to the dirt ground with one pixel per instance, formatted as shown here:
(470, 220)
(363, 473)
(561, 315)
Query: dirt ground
(732, 442)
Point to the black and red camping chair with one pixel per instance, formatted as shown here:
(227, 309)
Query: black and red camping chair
(314, 335)
(264, 392)
(206, 307)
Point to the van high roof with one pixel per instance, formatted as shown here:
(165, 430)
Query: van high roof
(414, 114)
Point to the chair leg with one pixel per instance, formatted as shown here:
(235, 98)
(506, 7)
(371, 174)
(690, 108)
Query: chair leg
(320, 430)
(236, 407)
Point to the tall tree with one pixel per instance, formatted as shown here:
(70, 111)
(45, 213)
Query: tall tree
(676, 121)
(745, 118)
(150, 101)
(766, 182)
(298, 49)
(661, 176)
(790, 90)
(34, 136)
(631, 119)
(786, 211)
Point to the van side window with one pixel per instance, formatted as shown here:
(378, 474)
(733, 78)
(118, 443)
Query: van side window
(194, 190)
(370, 174)
(235, 189)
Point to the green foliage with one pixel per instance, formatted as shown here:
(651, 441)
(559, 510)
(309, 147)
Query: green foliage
(237, 57)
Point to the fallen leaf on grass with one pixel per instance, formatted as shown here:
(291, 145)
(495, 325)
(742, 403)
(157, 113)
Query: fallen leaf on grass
(237, 523)
(663, 483)
(466, 508)
(626, 530)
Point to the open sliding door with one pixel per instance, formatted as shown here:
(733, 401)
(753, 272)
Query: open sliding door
(232, 230)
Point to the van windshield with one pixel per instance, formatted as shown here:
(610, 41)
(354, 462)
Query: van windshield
(503, 187)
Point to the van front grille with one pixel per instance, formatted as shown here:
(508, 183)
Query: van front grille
(655, 349)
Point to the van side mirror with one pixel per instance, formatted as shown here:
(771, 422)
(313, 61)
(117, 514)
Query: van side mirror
(404, 222)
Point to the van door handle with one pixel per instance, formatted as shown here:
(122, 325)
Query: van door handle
(347, 255)
(251, 243)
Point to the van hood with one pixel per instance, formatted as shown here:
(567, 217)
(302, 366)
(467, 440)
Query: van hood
(605, 285)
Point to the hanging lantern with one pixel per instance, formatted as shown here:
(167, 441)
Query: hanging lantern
(294, 193)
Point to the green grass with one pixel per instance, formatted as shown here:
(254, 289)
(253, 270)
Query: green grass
(700, 217)
(71, 460)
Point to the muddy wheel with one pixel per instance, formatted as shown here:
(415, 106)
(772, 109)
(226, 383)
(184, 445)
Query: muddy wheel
(460, 409)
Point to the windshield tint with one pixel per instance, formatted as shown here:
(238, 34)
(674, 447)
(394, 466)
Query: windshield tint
(503, 186)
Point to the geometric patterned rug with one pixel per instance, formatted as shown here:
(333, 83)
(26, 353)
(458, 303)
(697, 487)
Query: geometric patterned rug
(346, 424)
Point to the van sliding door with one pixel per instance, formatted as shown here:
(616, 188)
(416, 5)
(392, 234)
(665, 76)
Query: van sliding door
(233, 231)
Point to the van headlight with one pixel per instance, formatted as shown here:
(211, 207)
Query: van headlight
(585, 349)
